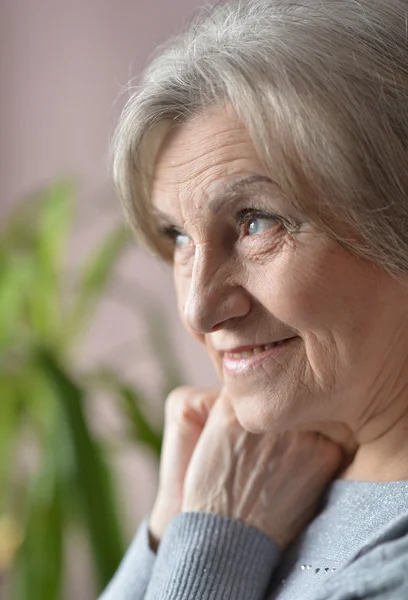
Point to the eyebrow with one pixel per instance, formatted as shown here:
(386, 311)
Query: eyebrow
(237, 189)
(231, 192)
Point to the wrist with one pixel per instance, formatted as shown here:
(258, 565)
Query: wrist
(162, 513)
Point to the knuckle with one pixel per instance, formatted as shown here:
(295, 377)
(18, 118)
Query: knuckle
(181, 399)
(178, 398)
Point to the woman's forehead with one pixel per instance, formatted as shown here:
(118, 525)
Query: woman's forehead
(209, 152)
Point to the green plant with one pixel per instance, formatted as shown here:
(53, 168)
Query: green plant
(44, 398)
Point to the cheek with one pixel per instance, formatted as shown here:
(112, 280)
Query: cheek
(296, 298)
(310, 293)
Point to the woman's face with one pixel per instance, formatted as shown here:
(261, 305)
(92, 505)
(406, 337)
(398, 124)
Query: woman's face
(300, 331)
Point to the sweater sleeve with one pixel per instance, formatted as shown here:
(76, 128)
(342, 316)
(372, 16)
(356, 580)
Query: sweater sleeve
(211, 557)
(133, 575)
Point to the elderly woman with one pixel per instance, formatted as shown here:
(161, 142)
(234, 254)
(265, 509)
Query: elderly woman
(265, 155)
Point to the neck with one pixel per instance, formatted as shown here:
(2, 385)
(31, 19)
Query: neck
(382, 454)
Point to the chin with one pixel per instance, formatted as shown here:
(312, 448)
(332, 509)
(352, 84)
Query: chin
(257, 416)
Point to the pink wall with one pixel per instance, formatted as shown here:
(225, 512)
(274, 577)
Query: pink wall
(63, 65)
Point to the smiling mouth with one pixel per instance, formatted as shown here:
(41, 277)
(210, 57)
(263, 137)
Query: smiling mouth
(253, 351)
(242, 360)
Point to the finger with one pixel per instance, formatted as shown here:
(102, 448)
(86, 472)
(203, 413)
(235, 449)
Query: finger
(223, 410)
(206, 401)
(190, 405)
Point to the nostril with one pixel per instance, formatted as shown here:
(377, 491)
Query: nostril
(212, 298)
(209, 314)
(217, 327)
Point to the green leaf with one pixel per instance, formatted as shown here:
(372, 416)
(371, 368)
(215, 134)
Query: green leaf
(141, 431)
(16, 277)
(18, 231)
(38, 574)
(162, 348)
(94, 278)
(93, 478)
(55, 222)
(9, 428)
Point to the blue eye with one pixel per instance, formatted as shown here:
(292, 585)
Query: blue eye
(260, 225)
(256, 222)
(179, 239)
(182, 240)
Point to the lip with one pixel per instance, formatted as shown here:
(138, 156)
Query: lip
(240, 365)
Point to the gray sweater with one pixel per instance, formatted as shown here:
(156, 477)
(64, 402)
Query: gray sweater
(356, 547)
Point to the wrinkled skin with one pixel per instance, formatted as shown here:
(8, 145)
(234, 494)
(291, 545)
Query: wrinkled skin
(250, 270)
(210, 463)
(259, 479)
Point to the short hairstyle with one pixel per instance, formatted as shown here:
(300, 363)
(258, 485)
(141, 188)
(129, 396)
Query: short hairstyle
(322, 88)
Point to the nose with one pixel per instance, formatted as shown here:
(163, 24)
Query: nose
(214, 295)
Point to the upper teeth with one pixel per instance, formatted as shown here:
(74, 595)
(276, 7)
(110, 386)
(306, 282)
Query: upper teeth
(257, 350)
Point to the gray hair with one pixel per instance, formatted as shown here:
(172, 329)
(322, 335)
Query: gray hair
(322, 87)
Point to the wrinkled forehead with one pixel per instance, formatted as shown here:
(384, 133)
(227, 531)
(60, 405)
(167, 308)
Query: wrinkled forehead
(203, 156)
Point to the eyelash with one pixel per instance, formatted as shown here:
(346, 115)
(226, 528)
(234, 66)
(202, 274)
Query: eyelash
(243, 216)
(249, 214)
(170, 232)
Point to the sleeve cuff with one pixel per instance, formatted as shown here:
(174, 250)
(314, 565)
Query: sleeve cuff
(207, 556)
(132, 578)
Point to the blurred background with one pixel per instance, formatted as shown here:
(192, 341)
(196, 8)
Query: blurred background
(90, 341)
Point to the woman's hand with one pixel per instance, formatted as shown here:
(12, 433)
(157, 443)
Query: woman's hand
(272, 482)
(186, 412)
